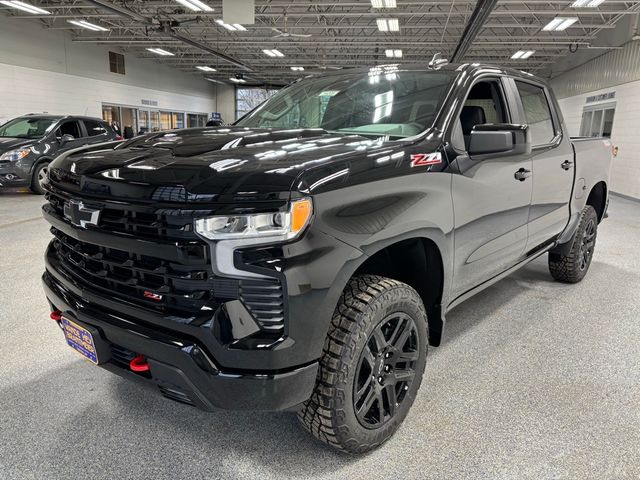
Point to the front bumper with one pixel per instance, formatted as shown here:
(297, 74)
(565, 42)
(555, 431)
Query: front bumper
(11, 175)
(181, 368)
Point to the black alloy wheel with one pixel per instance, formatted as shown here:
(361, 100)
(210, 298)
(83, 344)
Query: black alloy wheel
(386, 369)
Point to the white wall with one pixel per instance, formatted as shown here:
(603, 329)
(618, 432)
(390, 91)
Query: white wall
(46, 71)
(625, 174)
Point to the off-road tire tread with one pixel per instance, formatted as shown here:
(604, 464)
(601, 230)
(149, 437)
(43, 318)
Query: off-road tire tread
(566, 268)
(317, 415)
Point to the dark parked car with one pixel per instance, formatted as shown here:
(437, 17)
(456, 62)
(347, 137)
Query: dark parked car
(28, 144)
(305, 257)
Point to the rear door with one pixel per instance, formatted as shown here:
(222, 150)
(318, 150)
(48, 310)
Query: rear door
(491, 206)
(552, 163)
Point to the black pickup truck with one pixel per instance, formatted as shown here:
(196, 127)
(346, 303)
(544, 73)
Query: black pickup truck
(305, 257)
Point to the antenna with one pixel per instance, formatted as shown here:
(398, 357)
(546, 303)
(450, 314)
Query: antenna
(437, 61)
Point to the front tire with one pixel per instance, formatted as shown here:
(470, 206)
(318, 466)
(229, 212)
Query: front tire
(572, 267)
(371, 367)
(37, 179)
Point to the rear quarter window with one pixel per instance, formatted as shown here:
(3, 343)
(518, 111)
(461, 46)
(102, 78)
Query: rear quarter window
(94, 128)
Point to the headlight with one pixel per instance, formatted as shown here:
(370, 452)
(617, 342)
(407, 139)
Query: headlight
(277, 226)
(15, 155)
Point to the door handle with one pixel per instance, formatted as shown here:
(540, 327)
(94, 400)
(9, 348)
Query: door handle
(566, 165)
(522, 174)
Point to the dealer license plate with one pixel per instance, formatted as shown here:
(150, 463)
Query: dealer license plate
(80, 339)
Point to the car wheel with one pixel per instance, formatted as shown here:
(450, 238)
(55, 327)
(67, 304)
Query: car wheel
(371, 367)
(572, 267)
(39, 176)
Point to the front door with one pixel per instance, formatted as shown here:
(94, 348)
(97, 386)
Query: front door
(491, 205)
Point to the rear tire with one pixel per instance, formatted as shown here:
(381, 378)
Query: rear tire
(572, 267)
(371, 367)
(39, 175)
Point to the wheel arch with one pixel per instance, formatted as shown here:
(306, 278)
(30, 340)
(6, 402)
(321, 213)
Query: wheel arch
(598, 199)
(418, 262)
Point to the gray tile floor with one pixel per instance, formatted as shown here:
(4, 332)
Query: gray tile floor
(534, 380)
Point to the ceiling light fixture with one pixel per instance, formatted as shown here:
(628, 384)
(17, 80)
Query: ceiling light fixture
(559, 24)
(159, 51)
(237, 80)
(390, 53)
(587, 3)
(388, 24)
(195, 5)
(88, 26)
(230, 27)
(297, 69)
(273, 53)
(205, 68)
(383, 3)
(522, 54)
(25, 7)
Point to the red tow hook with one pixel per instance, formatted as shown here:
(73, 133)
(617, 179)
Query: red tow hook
(56, 315)
(139, 364)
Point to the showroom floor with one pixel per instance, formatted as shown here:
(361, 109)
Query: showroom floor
(534, 380)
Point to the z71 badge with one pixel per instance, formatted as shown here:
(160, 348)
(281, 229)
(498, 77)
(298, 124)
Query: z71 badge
(425, 159)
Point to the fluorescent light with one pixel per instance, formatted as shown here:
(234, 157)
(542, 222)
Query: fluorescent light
(88, 26)
(159, 51)
(25, 7)
(587, 3)
(238, 80)
(559, 24)
(397, 53)
(232, 28)
(273, 53)
(195, 5)
(388, 24)
(522, 54)
(205, 68)
(383, 3)
(297, 69)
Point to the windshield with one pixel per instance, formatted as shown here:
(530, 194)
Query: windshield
(383, 102)
(27, 127)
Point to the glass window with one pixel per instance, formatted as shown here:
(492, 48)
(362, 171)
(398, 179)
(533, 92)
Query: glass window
(607, 125)
(116, 63)
(249, 98)
(596, 123)
(384, 102)
(94, 128)
(27, 127)
(585, 126)
(537, 113)
(70, 128)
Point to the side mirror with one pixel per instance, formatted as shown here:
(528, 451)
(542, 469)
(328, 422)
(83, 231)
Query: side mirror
(500, 140)
(66, 138)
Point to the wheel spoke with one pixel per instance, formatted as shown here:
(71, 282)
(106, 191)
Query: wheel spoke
(362, 390)
(410, 356)
(380, 341)
(390, 393)
(404, 375)
(368, 402)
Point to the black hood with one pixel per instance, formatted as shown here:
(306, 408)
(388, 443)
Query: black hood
(11, 143)
(227, 164)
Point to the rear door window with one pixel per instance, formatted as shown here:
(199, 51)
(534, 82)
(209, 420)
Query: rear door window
(94, 128)
(537, 113)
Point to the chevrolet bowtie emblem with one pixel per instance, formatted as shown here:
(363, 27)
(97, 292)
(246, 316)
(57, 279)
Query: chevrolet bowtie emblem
(79, 215)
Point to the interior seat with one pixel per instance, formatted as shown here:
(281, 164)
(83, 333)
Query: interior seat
(471, 116)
